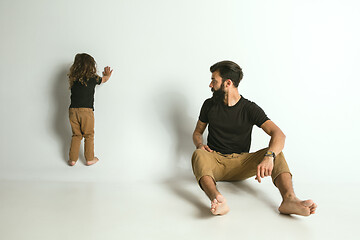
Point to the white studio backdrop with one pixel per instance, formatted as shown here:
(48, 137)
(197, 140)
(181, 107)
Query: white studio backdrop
(300, 61)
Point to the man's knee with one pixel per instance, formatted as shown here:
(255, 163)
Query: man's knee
(201, 162)
(198, 157)
(280, 167)
(280, 161)
(281, 155)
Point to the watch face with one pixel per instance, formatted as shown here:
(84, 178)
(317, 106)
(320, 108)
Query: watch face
(268, 153)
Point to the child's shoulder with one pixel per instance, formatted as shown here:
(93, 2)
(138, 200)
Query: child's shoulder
(93, 79)
(97, 79)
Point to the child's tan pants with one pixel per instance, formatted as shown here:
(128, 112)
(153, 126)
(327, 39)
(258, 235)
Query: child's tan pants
(82, 125)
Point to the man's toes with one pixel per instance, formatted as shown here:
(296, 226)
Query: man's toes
(213, 210)
(313, 208)
(307, 203)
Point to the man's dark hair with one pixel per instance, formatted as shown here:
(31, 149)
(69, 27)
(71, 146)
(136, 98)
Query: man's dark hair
(228, 70)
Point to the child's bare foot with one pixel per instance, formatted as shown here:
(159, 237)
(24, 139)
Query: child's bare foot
(296, 206)
(89, 163)
(219, 206)
(71, 163)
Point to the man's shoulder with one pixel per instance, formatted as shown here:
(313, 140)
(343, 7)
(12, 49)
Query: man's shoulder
(208, 101)
(247, 102)
(208, 104)
(255, 111)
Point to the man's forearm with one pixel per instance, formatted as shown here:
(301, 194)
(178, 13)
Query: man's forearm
(197, 139)
(277, 143)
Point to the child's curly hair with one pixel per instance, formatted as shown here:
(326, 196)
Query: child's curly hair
(83, 68)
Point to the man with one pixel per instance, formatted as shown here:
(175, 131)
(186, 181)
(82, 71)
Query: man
(226, 156)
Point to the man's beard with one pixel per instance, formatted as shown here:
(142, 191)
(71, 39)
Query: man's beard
(218, 95)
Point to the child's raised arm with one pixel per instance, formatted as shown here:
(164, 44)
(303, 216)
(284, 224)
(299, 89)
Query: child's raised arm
(106, 74)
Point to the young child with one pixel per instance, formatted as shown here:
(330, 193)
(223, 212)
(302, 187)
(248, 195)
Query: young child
(82, 80)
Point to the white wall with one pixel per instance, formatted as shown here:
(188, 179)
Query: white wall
(300, 62)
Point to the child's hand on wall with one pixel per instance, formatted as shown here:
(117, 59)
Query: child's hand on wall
(106, 74)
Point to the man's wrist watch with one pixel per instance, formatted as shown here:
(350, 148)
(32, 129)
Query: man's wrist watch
(270, 154)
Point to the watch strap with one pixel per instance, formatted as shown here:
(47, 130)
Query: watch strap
(270, 154)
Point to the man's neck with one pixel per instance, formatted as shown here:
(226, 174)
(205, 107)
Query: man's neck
(232, 97)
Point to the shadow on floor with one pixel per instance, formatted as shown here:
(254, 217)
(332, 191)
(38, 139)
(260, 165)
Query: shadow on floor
(177, 187)
(244, 186)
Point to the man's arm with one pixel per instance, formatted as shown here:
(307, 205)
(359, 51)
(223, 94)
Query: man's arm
(106, 74)
(198, 136)
(276, 145)
(277, 140)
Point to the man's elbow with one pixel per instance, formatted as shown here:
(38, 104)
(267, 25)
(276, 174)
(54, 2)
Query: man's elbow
(195, 133)
(279, 134)
(283, 136)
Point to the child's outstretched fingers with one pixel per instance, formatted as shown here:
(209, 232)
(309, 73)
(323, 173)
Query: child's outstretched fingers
(106, 74)
(107, 71)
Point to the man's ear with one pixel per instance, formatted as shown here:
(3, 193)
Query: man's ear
(228, 82)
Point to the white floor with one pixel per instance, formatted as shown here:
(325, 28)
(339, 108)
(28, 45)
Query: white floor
(172, 209)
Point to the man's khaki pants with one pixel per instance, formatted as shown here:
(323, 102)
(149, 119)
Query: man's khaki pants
(233, 167)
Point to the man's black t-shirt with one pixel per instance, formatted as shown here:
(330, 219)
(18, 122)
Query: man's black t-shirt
(230, 127)
(83, 96)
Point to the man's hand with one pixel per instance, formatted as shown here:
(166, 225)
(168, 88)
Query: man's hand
(265, 168)
(204, 147)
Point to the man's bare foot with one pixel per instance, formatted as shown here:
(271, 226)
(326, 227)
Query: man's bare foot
(89, 163)
(296, 206)
(219, 206)
(71, 163)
